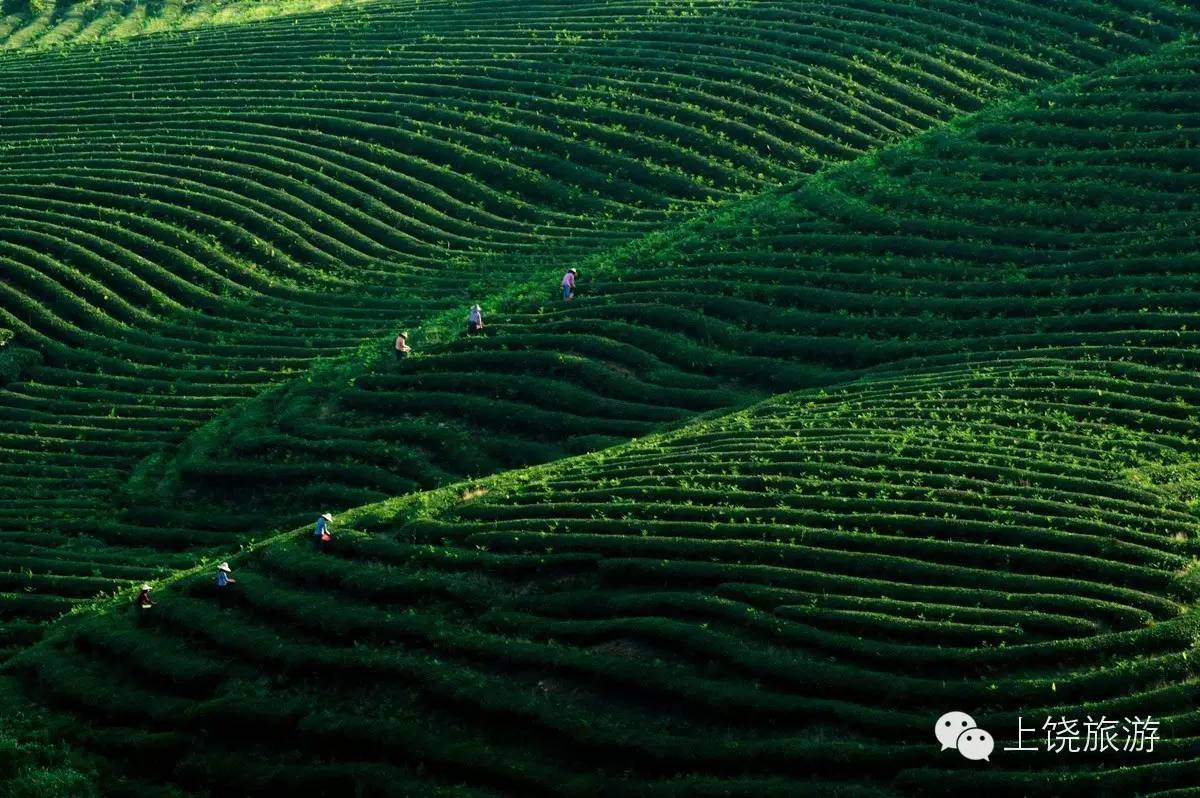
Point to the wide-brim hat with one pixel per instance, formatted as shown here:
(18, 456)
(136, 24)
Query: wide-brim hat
(223, 567)
(146, 587)
(327, 516)
(402, 335)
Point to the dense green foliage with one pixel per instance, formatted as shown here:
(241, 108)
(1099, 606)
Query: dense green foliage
(184, 226)
(14, 360)
(32, 763)
(877, 396)
(27, 24)
(778, 601)
(1013, 231)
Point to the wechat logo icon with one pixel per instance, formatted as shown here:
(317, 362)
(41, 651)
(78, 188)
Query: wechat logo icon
(959, 731)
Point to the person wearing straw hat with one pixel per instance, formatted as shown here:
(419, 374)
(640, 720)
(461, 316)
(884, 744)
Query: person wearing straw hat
(143, 604)
(474, 320)
(224, 582)
(568, 284)
(402, 347)
(323, 533)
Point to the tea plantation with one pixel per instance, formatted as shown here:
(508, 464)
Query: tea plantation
(877, 399)
(1008, 232)
(33, 24)
(190, 219)
(778, 601)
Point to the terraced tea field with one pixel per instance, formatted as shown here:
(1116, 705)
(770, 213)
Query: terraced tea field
(1064, 221)
(37, 24)
(192, 218)
(877, 399)
(777, 602)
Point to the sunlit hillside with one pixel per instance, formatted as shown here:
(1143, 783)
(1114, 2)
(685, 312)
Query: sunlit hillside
(875, 400)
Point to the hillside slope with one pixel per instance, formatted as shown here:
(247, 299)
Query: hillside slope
(40, 24)
(778, 602)
(191, 218)
(962, 257)
(1063, 222)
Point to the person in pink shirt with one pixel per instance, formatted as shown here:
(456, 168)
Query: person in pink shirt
(568, 284)
(402, 347)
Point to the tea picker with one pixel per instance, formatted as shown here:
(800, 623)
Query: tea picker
(143, 603)
(225, 581)
(402, 347)
(323, 532)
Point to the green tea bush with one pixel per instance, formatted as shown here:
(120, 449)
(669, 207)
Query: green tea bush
(32, 763)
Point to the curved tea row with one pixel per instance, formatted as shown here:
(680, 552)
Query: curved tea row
(188, 219)
(777, 602)
(1063, 224)
(34, 24)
